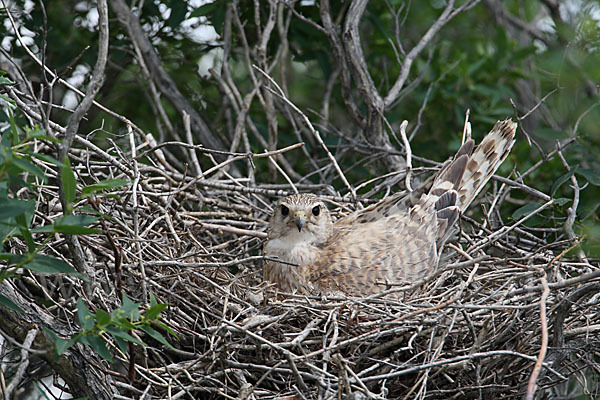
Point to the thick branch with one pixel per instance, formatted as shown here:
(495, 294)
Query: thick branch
(164, 82)
(73, 125)
(95, 82)
(340, 58)
(77, 367)
(356, 58)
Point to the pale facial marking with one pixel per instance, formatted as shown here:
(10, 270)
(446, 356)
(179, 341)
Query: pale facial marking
(300, 218)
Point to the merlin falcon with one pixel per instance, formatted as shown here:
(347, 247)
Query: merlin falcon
(398, 240)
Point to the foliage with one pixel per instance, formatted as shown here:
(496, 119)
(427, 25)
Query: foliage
(20, 176)
(118, 325)
(19, 173)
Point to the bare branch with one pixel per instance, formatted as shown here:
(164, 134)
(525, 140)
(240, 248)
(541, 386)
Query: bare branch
(164, 82)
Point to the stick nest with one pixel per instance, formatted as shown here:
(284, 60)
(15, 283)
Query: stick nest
(473, 329)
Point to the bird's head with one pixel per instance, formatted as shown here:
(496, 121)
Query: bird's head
(302, 217)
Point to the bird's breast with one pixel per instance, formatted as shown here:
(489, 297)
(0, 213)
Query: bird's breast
(287, 276)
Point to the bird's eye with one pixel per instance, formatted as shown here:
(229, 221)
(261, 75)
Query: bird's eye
(284, 210)
(316, 210)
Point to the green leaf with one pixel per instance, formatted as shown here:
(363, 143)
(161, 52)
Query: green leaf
(122, 344)
(218, 16)
(14, 130)
(475, 66)
(121, 319)
(13, 207)
(46, 158)
(561, 180)
(21, 221)
(75, 230)
(42, 136)
(49, 265)
(153, 301)
(103, 185)
(526, 210)
(85, 339)
(97, 343)
(6, 302)
(165, 327)
(156, 336)
(25, 165)
(15, 259)
(6, 231)
(561, 201)
(122, 334)
(551, 134)
(102, 319)
(86, 319)
(43, 229)
(130, 309)
(203, 10)
(5, 81)
(153, 311)
(75, 224)
(592, 176)
(7, 99)
(69, 184)
(62, 345)
(178, 11)
(5, 274)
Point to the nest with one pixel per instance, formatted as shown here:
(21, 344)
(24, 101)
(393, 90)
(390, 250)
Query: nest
(508, 309)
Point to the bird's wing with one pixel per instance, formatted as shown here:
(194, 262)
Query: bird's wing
(398, 240)
(367, 258)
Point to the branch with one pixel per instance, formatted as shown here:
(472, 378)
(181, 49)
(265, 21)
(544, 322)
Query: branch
(77, 367)
(73, 124)
(53, 75)
(338, 53)
(23, 363)
(164, 82)
(447, 15)
(94, 85)
(356, 57)
(532, 385)
(315, 133)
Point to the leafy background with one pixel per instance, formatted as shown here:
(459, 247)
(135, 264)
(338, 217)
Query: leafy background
(479, 61)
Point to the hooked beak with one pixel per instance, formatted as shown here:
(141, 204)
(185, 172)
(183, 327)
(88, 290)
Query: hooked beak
(299, 220)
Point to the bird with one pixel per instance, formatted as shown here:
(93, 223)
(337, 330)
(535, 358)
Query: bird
(398, 240)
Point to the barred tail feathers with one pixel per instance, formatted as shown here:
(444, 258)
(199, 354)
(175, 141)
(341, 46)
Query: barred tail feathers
(461, 180)
(485, 161)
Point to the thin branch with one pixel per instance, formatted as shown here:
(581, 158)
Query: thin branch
(447, 15)
(532, 384)
(312, 129)
(408, 150)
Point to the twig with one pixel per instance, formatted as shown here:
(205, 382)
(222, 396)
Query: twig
(572, 210)
(309, 125)
(466, 128)
(408, 150)
(23, 363)
(282, 172)
(506, 229)
(134, 205)
(190, 140)
(532, 385)
(448, 13)
(458, 359)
